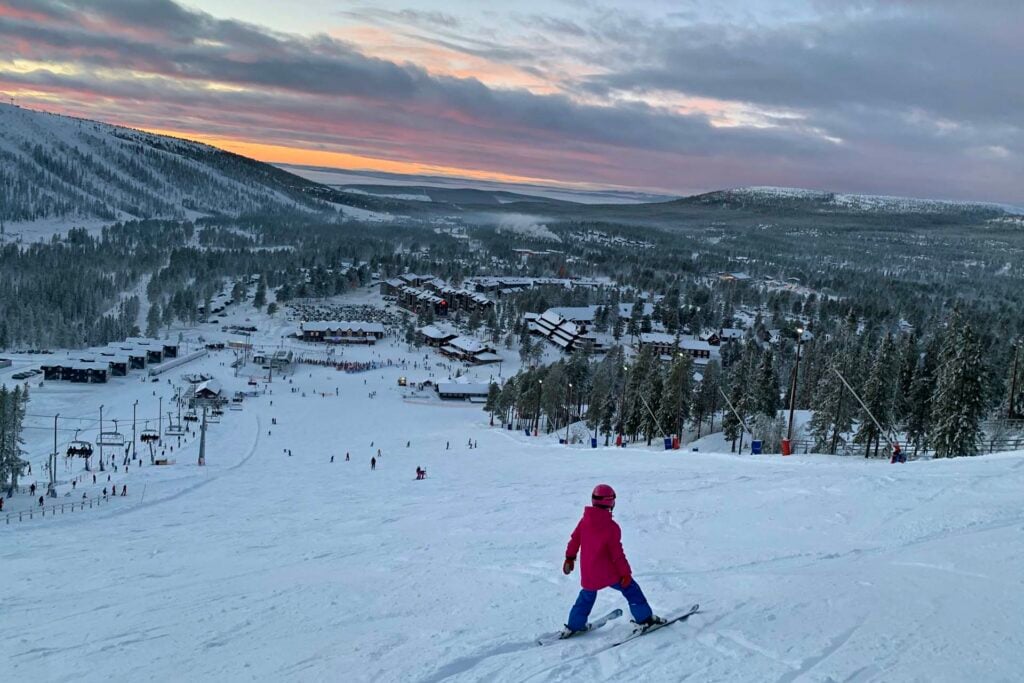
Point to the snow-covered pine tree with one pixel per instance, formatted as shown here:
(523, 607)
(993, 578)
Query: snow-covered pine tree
(958, 403)
(12, 415)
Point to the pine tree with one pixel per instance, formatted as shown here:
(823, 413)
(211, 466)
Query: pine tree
(650, 402)
(958, 403)
(918, 419)
(677, 396)
(766, 387)
(877, 394)
(12, 415)
(153, 320)
(493, 393)
(259, 300)
(707, 399)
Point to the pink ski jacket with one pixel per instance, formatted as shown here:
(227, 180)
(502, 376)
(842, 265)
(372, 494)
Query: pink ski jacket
(603, 561)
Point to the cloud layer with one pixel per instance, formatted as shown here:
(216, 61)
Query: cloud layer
(889, 97)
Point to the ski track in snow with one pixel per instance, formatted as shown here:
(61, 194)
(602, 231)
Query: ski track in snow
(269, 567)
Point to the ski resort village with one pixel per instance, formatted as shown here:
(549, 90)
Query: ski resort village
(450, 342)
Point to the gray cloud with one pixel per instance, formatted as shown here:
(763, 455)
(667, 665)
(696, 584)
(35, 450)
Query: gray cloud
(923, 100)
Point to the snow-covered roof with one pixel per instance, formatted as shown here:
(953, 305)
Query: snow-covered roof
(657, 338)
(465, 389)
(341, 326)
(575, 313)
(210, 386)
(434, 332)
(468, 345)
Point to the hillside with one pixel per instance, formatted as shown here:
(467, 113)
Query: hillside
(813, 201)
(58, 167)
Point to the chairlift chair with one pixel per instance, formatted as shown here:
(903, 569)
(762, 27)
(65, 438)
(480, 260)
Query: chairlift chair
(149, 436)
(79, 448)
(191, 416)
(114, 438)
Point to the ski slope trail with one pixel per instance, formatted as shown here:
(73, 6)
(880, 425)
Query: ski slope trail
(283, 567)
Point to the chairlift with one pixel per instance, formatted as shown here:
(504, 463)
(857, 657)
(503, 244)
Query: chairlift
(174, 427)
(191, 416)
(150, 437)
(79, 448)
(114, 438)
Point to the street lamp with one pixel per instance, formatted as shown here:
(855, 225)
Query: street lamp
(568, 413)
(792, 393)
(540, 394)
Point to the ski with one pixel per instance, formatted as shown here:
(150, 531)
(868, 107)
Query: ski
(642, 630)
(555, 636)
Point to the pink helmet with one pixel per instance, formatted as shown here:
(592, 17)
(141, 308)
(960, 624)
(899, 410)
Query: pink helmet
(603, 496)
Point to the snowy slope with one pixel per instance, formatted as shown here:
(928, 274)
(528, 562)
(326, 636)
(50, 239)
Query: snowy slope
(55, 166)
(859, 203)
(263, 566)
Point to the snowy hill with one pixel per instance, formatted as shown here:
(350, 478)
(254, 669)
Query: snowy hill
(57, 167)
(274, 563)
(832, 202)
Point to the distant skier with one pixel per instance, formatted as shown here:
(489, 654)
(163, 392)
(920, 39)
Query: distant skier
(897, 454)
(373, 464)
(603, 563)
(332, 458)
(346, 457)
(124, 490)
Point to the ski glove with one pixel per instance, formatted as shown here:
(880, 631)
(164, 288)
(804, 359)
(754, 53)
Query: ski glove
(568, 565)
(625, 581)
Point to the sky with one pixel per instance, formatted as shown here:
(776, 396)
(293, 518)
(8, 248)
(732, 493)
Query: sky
(903, 97)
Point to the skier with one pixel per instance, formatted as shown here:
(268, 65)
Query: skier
(373, 464)
(346, 456)
(897, 454)
(332, 458)
(603, 564)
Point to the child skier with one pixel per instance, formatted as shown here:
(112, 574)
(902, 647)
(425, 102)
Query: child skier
(603, 564)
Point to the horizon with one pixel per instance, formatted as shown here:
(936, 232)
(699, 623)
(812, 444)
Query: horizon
(644, 99)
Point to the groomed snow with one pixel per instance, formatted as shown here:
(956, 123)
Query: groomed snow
(263, 566)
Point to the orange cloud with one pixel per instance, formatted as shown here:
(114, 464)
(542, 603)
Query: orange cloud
(354, 162)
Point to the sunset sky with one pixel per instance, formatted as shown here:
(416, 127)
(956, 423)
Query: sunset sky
(908, 97)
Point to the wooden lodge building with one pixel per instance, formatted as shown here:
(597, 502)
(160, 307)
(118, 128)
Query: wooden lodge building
(341, 331)
(668, 345)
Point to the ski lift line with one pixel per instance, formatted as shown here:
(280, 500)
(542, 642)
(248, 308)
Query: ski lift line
(864, 406)
(651, 413)
(736, 413)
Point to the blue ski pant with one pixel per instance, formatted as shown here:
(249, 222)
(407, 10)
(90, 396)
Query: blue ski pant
(638, 606)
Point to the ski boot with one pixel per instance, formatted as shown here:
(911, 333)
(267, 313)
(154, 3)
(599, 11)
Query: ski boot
(644, 626)
(567, 632)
